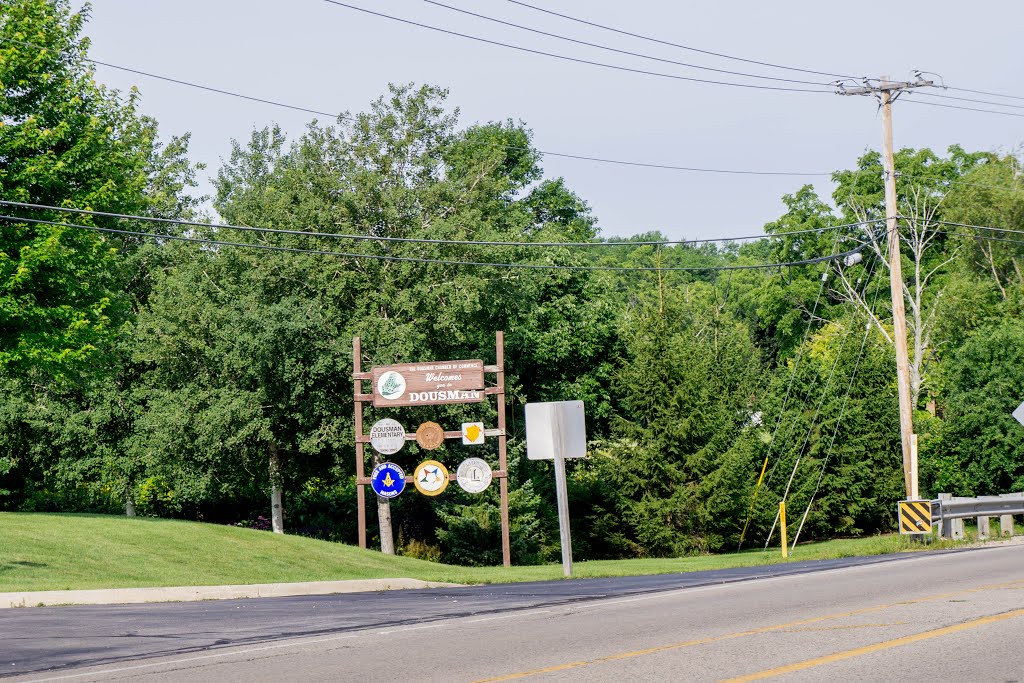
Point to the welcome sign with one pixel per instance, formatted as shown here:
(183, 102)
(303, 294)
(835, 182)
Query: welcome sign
(423, 384)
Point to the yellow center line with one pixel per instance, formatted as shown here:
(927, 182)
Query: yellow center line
(841, 628)
(676, 646)
(877, 647)
(738, 634)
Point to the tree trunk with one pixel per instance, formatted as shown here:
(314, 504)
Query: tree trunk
(387, 540)
(276, 510)
(129, 506)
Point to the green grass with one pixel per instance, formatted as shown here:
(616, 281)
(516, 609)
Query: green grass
(67, 552)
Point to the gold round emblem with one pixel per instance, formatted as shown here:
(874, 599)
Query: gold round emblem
(429, 435)
(430, 478)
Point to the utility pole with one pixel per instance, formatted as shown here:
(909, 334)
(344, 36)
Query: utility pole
(887, 92)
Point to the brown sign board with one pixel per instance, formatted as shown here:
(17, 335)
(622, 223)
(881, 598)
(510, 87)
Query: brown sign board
(424, 384)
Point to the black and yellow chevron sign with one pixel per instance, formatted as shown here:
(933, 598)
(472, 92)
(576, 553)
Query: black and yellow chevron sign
(915, 516)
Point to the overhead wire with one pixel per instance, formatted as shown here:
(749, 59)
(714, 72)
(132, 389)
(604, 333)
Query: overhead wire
(955, 106)
(814, 419)
(567, 58)
(190, 84)
(415, 240)
(676, 45)
(782, 411)
(984, 238)
(949, 184)
(620, 51)
(986, 92)
(839, 420)
(412, 259)
(741, 59)
(976, 227)
(962, 99)
(348, 117)
(671, 167)
(807, 395)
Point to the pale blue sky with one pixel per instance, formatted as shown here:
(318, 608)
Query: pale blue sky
(313, 54)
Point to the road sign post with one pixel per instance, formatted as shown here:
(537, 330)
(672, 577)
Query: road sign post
(557, 431)
(562, 495)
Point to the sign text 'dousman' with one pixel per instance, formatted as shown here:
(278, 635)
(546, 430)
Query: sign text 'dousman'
(410, 384)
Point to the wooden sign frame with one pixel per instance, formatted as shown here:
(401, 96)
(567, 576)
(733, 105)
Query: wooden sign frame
(498, 390)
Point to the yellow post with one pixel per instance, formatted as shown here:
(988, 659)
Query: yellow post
(782, 519)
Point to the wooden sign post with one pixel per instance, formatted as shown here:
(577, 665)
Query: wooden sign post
(431, 383)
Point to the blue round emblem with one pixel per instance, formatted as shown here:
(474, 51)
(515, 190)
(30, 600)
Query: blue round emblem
(387, 480)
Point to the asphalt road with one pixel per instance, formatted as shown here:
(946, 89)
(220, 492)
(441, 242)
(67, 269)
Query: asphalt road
(949, 616)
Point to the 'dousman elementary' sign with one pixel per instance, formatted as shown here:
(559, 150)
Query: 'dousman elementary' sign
(411, 384)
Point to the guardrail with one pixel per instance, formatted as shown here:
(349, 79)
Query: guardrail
(949, 512)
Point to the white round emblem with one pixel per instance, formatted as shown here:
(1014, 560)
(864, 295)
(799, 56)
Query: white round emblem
(387, 436)
(391, 385)
(473, 475)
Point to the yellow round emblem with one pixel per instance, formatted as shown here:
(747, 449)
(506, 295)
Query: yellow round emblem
(430, 478)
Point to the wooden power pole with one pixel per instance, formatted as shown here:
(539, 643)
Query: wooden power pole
(887, 92)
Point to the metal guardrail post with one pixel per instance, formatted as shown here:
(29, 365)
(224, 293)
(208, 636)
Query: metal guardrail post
(950, 528)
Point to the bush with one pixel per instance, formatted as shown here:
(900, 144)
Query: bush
(323, 510)
(261, 523)
(79, 498)
(155, 498)
(420, 550)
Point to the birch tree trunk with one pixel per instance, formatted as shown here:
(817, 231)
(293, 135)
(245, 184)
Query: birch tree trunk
(919, 232)
(387, 540)
(276, 493)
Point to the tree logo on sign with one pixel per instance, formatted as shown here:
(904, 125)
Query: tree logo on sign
(391, 385)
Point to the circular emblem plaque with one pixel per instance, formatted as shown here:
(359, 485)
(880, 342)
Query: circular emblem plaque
(474, 475)
(391, 385)
(387, 436)
(387, 480)
(429, 435)
(430, 478)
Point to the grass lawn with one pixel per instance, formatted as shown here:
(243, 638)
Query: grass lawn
(64, 552)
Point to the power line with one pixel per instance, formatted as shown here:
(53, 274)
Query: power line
(190, 84)
(413, 240)
(677, 45)
(349, 117)
(986, 238)
(817, 411)
(740, 59)
(956, 181)
(617, 50)
(954, 106)
(785, 401)
(839, 420)
(985, 92)
(969, 225)
(670, 167)
(413, 259)
(968, 99)
(567, 58)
